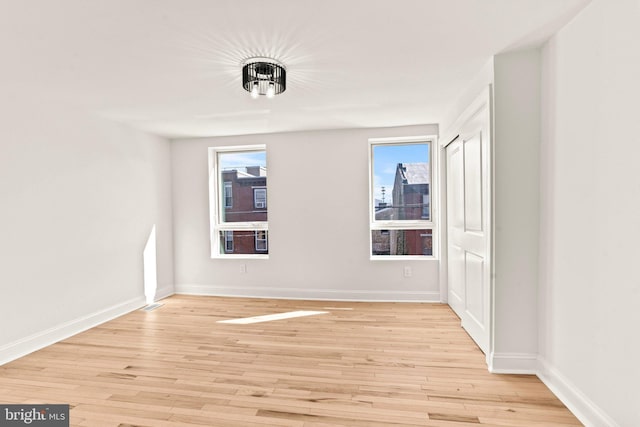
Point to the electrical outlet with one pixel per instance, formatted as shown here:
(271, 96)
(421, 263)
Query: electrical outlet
(243, 268)
(407, 271)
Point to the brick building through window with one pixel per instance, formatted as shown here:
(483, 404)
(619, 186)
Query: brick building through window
(410, 201)
(245, 200)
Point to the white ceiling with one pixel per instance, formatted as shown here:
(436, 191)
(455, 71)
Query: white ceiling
(172, 67)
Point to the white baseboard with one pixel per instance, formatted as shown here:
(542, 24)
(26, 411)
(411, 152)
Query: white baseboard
(308, 294)
(580, 405)
(63, 331)
(164, 292)
(513, 363)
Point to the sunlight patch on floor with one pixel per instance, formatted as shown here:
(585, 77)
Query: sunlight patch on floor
(270, 317)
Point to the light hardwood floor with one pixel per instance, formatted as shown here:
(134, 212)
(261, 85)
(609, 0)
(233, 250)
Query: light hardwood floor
(362, 364)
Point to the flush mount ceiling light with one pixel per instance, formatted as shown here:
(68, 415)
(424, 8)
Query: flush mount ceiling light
(264, 76)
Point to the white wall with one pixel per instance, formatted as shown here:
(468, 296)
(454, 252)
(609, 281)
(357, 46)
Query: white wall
(467, 96)
(318, 222)
(514, 80)
(590, 214)
(516, 144)
(79, 198)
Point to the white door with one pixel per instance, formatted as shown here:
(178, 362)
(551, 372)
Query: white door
(467, 188)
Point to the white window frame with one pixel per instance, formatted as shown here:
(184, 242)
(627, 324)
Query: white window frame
(217, 202)
(255, 199)
(421, 224)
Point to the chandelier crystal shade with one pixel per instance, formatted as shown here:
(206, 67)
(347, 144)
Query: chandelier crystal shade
(264, 76)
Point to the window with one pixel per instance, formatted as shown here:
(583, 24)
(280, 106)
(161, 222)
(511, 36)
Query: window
(261, 240)
(401, 219)
(228, 194)
(260, 198)
(425, 206)
(228, 241)
(238, 201)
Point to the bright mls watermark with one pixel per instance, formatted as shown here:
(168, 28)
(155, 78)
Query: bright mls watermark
(34, 415)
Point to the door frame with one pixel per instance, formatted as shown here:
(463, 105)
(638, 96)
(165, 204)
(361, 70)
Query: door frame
(483, 100)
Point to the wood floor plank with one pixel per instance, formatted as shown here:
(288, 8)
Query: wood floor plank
(361, 364)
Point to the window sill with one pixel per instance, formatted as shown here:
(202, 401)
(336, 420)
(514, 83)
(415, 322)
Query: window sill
(403, 258)
(240, 256)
